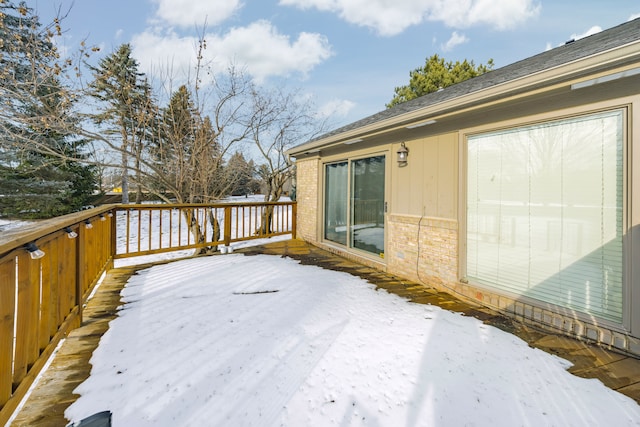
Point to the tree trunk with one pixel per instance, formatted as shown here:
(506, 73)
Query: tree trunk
(266, 221)
(138, 182)
(191, 216)
(275, 188)
(213, 220)
(125, 166)
(125, 178)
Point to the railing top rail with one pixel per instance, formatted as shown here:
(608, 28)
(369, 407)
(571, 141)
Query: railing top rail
(199, 205)
(15, 238)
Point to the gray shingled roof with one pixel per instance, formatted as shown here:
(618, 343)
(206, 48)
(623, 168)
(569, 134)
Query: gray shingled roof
(569, 52)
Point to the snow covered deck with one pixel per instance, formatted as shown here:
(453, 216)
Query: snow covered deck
(240, 340)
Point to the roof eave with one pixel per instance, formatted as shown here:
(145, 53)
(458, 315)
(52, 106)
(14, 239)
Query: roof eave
(564, 75)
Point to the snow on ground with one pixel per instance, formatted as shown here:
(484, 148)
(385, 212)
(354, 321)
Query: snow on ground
(6, 224)
(237, 340)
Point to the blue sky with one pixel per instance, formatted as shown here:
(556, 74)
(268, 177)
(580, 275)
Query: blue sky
(347, 54)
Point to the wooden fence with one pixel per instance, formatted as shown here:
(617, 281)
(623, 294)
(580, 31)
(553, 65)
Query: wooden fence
(48, 270)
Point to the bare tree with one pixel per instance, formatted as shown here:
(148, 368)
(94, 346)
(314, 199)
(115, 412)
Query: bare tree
(198, 128)
(279, 120)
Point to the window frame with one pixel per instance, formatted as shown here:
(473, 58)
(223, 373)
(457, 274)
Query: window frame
(522, 122)
(349, 158)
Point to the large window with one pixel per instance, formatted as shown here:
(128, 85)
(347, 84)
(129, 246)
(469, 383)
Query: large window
(545, 212)
(354, 203)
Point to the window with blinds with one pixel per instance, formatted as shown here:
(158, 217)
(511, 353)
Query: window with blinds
(545, 212)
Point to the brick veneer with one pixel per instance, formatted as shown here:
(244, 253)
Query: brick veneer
(307, 197)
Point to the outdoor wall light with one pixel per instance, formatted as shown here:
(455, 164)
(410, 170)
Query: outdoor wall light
(34, 251)
(403, 153)
(110, 214)
(70, 233)
(102, 217)
(88, 224)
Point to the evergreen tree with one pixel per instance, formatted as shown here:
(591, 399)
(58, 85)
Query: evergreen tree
(127, 108)
(39, 172)
(187, 155)
(437, 74)
(175, 147)
(243, 175)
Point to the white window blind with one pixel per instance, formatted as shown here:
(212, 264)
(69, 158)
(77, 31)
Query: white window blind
(544, 212)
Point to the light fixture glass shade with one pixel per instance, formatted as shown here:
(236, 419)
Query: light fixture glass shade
(88, 224)
(70, 233)
(403, 153)
(34, 251)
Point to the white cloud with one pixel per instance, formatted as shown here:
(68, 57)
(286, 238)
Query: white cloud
(192, 13)
(591, 31)
(336, 107)
(390, 17)
(257, 48)
(498, 14)
(455, 40)
(265, 52)
(168, 53)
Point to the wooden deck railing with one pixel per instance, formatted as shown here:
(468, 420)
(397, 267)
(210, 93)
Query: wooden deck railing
(157, 228)
(41, 298)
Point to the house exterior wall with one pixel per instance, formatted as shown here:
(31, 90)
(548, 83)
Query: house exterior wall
(427, 186)
(422, 229)
(426, 221)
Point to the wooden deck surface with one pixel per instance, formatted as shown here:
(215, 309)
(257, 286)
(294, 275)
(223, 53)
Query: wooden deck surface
(70, 367)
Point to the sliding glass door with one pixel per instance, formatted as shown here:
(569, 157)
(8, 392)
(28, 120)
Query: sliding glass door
(354, 203)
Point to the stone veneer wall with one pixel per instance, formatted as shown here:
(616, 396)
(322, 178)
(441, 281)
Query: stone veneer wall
(423, 249)
(307, 198)
(434, 262)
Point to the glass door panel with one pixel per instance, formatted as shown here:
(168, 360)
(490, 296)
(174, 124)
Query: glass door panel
(367, 204)
(335, 202)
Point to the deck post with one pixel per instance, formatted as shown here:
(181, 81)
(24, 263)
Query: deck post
(294, 216)
(81, 260)
(227, 225)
